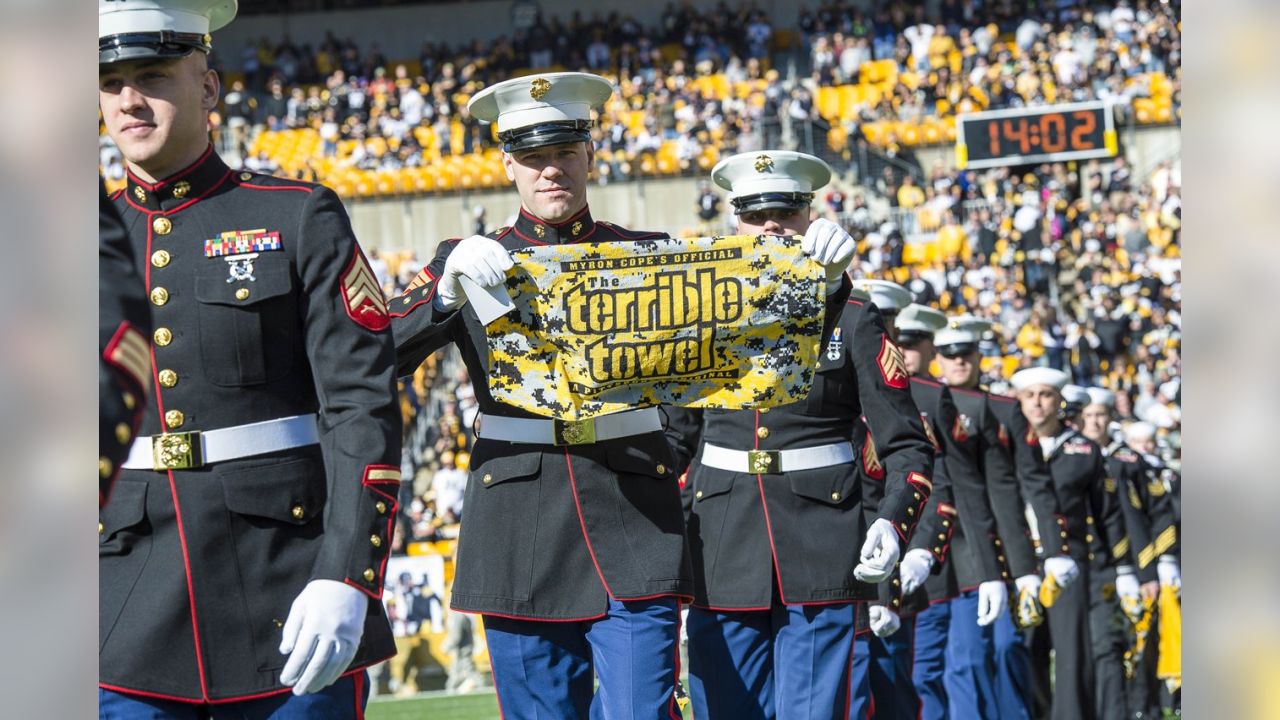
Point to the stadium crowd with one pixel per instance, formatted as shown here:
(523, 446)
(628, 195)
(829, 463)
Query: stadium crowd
(698, 85)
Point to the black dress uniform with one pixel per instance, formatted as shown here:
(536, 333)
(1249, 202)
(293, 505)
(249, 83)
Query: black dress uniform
(1149, 518)
(551, 533)
(1096, 539)
(263, 308)
(124, 365)
(806, 527)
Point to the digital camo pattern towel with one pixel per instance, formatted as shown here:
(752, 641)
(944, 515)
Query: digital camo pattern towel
(714, 322)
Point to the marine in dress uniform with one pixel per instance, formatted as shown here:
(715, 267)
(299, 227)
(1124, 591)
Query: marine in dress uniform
(243, 548)
(1096, 536)
(781, 548)
(966, 591)
(124, 366)
(573, 548)
(1018, 485)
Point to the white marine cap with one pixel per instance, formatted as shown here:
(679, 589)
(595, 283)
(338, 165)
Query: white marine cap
(1031, 377)
(1139, 431)
(1075, 395)
(543, 109)
(962, 330)
(889, 297)
(140, 29)
(920, 320)
(1101, 396)
(771, 179)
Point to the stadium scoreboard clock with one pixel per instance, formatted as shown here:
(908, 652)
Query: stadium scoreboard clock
(1074, 131)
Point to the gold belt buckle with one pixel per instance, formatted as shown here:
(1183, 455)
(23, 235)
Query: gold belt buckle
(575, 432)
(763, 462)
(177, 451)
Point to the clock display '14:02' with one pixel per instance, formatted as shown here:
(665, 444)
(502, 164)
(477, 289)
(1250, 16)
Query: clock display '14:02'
(1026, 135)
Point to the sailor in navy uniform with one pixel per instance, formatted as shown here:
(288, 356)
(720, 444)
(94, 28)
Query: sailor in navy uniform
(242, 552)
(782, 550)
(1018, 485)
(1096, 537)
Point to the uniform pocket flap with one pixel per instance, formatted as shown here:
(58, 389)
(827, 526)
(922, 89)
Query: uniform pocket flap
(641, 455)
(832, 486)
(292, 492)
(508, 467)
(126, 508)
(709, 482)
(267, 283)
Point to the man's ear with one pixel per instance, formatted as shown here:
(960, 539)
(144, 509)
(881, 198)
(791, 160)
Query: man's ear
(507, 162)
(211, 90)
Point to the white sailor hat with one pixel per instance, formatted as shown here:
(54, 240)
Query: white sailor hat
(1074, 398)
(1139, 431)
(544, 109)
(780, 179)
(889, 297)
(918, 321)
(1101, 396)
(141, 29)
(1031, 377)
(961, 335)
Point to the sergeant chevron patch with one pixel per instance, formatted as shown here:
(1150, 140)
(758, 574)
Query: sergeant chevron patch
(892, 367)
(871, 460)
(361, 295)
(128, 351)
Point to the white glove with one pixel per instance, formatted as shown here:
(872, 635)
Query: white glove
(482, 259)
(322, 634)
(828, 243)
(879, 553)
(1127, 585)
(1063, 569)
(1168, 571)
(1028, 582)
(993, 600)
(914, 569)
(884, 622)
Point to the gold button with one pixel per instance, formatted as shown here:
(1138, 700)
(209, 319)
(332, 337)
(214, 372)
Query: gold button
(130, 402)
(159, 296)
(937, 551)
(123, 433)
(896, 582)
(997, 542)
(174, 419)
(381, 507)
(168, 378)
(835, 496)
(942, 536)
(104, 468)
(160, 258)
(917, 495)
(249, 176)
(298, 512)
(139, 193)
(1089, 519)
(375, 541)
(762, 432)
(698, 495)
(487, 479)
(903, 526)
(1000, 558)
(1063, 534)
(1004, 574)
(946, 523)
(662, 469)
(277, 622)
(1066, 549)
(369, 574)
(162, 336)
(162, 226)
(1088, 538)
(911, 511)
(764, 410)
(896, 602)
(181, 189)
(242, 294)
(1090, 556)
(101, 527)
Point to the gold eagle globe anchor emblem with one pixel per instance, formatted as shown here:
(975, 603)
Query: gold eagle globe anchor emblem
(764, 164)
(539, 88)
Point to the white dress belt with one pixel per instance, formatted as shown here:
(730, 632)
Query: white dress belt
(186, 450)
(536, 431)
(758, 462)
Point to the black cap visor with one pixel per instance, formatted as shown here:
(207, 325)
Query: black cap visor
(771, 201)
(150, 45)
(552, 133)
(909, 338)
(958, 350)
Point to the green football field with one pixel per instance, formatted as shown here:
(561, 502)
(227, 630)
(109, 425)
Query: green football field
(476, 706)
